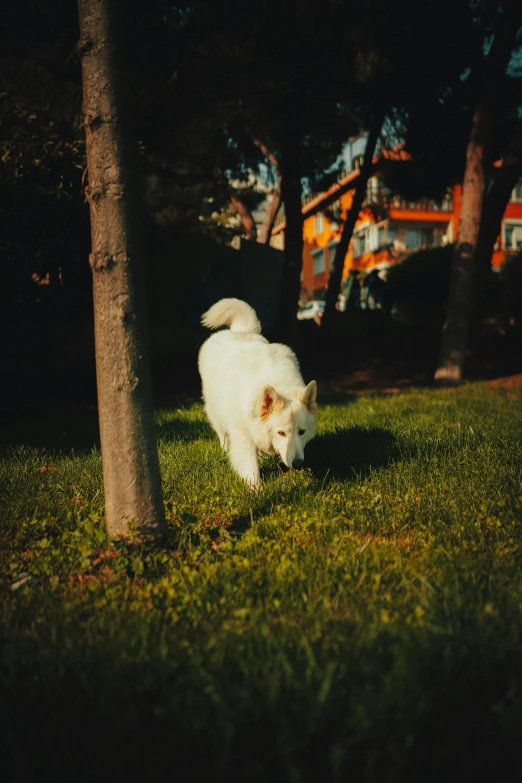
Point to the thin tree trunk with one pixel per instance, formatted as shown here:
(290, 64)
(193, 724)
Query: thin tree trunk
(336, 272)
(242, 209)
(130, 461)
(293, 250)
(265, 230)
(244, 213)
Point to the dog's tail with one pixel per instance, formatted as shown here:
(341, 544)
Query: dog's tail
(235, 313)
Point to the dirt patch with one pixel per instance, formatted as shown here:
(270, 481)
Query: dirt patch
(392, 378)
(511, 381)
(395, 379)
(377, 378)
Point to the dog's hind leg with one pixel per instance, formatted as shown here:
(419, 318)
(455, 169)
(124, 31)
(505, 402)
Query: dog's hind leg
(216, 423)
(224, 440)
(243, 456)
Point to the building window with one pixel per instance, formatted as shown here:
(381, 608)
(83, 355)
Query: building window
(318, 261)
(512, 236)
(360, 244)
(336, 211)
(375, 190)
(412, 238)
(331, 253)
(427, 237)
(516, 194)
(419, 237)
(385, 236)
(318, 223)
(357, 162)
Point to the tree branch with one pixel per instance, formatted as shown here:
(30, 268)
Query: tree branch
(336, 272)
(241, 207)
(265, 231)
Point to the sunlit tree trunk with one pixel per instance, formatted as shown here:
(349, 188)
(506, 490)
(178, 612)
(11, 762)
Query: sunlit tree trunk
(243, 211)
(130, 460)
(456, 327)
(495, 203)
(245, 215)
(265, 229)
(461, 296)
(263, 233)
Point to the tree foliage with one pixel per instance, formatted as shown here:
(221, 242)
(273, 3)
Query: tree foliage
(43, 226)
(220, 90)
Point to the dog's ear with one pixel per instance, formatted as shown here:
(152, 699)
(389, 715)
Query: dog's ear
(308, 397)
(270, 402)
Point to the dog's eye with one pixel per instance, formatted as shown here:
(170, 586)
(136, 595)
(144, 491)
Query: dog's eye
(301, 432)
(283, 434)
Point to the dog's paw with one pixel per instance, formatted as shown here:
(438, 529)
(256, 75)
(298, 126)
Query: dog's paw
(253, 482)
(225, 443)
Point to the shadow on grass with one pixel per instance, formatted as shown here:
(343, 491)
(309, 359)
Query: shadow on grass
(345, 455)
(184, 430)
(351, 452)
(101, 718)
(65, 428)
(50, 428)
(333, 398)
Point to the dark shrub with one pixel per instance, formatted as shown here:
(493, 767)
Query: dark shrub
(511, 281)
(423, 275)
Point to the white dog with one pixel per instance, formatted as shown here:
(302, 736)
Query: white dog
(255, 396)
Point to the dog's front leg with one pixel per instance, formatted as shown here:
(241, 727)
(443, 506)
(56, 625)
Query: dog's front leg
(243, 456)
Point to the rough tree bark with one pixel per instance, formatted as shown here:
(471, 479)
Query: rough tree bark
(495, 202)
(336, 272)
(130, 461)
(456, 329)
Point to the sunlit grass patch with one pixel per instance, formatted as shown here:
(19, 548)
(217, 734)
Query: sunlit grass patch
(362, 616)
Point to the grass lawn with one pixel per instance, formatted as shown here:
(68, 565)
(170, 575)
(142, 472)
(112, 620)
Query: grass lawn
(357, 620)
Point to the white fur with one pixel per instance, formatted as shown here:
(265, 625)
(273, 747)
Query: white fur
(254, 391)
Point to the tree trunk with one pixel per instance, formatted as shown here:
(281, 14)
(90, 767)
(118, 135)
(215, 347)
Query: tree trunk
(456, 327)
(336, 272)
(245, 215)
(293, 251)
(461, 292)
(130, 461)
(242, 209)
(494, 207)
(265, 230)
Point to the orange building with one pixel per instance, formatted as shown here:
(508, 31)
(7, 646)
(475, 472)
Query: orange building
(388, 227)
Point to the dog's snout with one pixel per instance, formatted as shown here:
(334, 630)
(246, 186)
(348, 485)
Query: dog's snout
(297, 463)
